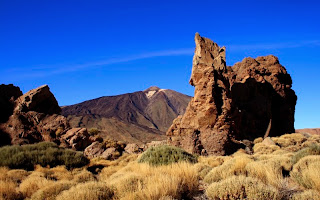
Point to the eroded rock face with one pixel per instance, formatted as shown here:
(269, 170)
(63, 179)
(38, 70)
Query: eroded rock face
(34, 116)
(94, 150)
(8, 94)
(40, 100)
(235, 102)
(77, 138)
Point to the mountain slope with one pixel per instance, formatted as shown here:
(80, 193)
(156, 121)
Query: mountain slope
(315, 131)
(137, 117)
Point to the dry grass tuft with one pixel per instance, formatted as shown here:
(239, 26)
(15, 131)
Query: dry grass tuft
(17, 175)
(60, 173)
(8, 191)
(270, 168)
(87, 191)
(234, 166)
(306, 172)
(33, 182)
(258, 140)
(202, 169)
(83, 176)
(241, 187)
(306, 195)
(51, 191)
(142, 181)
(213, 161)
(261, 148)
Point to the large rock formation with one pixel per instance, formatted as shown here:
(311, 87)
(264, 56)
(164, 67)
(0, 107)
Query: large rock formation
(33, 117)
(8, 94)
(233, 103)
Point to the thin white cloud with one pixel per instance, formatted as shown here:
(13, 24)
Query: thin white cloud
(42, 71)
(48, 70)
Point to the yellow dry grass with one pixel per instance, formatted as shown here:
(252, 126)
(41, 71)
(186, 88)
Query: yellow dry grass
(33, 182)
(83, 176)
(267, 174)
(51, 191)
(241, 187)
(306, 172)
(234, 166)
(8, 191)
(142, 181)
(306, 195)
(87, 191)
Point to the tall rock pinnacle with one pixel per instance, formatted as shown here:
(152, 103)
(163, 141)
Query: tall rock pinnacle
(233, 103)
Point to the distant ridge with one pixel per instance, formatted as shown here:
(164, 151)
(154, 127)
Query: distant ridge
(137, 117)
(315, 131)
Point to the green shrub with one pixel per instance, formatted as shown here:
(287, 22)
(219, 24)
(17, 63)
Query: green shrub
(93, 131)
(164, 155)
(44, 154)
(313, 149)
(241, 187)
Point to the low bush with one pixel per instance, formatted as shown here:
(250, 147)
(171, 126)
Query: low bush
(93, 131)
(165, 155)
(44, 154)
(313, 149)
(241, 187)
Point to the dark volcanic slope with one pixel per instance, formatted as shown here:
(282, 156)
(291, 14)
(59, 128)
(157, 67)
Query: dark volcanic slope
(134, 117)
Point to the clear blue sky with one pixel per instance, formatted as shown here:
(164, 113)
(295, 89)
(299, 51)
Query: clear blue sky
(87, 49)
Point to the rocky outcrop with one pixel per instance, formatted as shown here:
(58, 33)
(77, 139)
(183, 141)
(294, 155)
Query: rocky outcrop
(108, 149)
(8, 94)
(40, 100)
(94, 150)
(233, 103)
(76, 138)
(34, 116)
(133, 149)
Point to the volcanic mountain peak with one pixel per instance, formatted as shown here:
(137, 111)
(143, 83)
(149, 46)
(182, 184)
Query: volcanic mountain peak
(151, 91)
(143, 115)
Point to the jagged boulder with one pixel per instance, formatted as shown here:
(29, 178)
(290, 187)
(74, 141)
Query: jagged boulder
(133, 148)
(8, 94)
(40, 100)
(77, 138)
(94, 150)
(33, 117)
(233, 103)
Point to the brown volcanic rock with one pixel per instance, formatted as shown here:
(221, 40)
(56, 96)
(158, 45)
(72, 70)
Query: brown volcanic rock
(77, 138)
(40, 100)
(8, 94)
(235, 102)
(35, 118)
